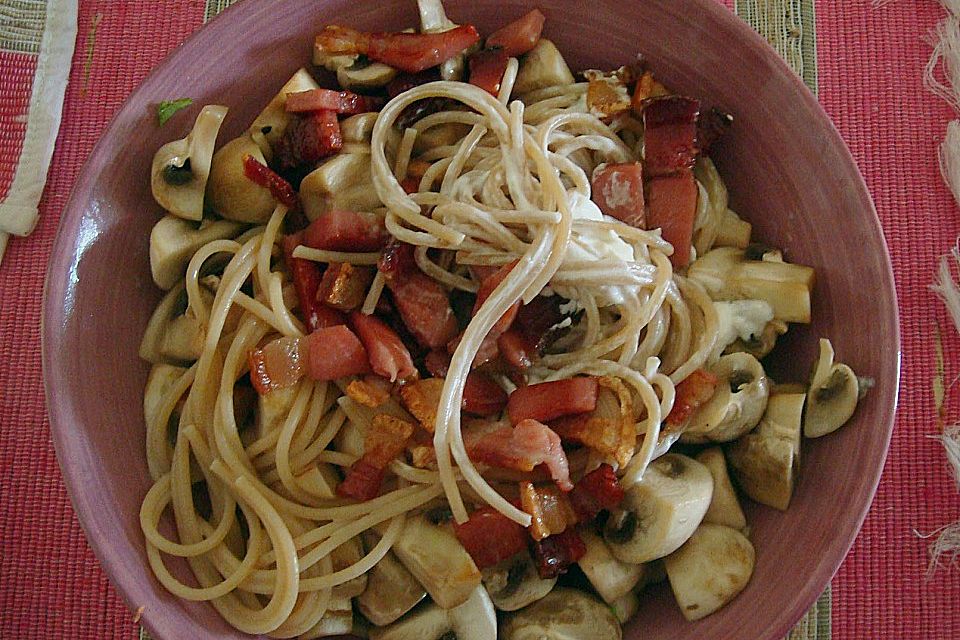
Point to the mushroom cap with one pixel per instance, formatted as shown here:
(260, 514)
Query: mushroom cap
(832, 398)
(232, 194)
(514, 583)
(564, 614)
(737, 404)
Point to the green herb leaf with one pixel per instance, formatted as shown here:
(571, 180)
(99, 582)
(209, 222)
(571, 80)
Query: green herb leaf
(167, 108)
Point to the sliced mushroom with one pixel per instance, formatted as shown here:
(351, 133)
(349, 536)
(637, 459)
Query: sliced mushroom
(337, 621)
(180, 168)
(834, 390)
(272, 409)
(232, 194)
(710, 569)
(737, 404)
(733, 231)
(759, 345)
(728, 273)
(364, 75)
(564, 614)
(626, 606)
(474, 619)
(440, 135)
(391, 590)
(433, 19)
(542, 67)
(514, 583)
(273, 120)
(173, 335)
(173, 241)
(346, 555)
(320, 480)
(342, 182)
(724, 506)
(765, 462)
(740, 320)
(437, 559)
(661, 511)
(609, 576)
(358, 128)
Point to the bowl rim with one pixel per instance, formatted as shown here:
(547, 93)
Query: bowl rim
(65, 252)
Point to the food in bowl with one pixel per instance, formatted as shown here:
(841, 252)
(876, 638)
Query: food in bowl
(427, 337)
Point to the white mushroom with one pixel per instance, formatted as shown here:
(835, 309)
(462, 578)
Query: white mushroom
(833, 394)
(564, 614)
(342, 182)
(435, 557)
(710, 569)
(737, 404)
(180, 168)
(740, 320)
(358, 128)
(514, 582)
(729, 273)
(391, 591)
(232, 194)
(724, 506)
(626, 606)
(609, 576)
(173, 334)
(474, 619)
(173, 241)
(759, 345)
(337, 621)
(766, 461)
(661, 511)
(274, 118)
(364, 75)
(733, 231)
(346, 555)
(433, 19)
(542, 67)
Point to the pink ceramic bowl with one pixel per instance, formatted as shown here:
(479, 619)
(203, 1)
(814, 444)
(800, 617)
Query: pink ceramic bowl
(788, 172)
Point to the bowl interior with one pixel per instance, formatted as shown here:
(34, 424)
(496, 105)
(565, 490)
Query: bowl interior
(787, 170)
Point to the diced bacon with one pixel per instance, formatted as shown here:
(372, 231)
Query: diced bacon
(362, 482)
(517, 349)
(266, 177)
(396, 260)
(490, 537)
(421, 398)
(410, 52)
(389, 357)
(692, 392)
(276, 365)
(609, 429)
(539, 315)
(487, 68)
(344, 286)
(520, 36)
(607, 96)
(672, 207)
(335, 352)
(308, 139)
(341, 230)
(522, 448)
(437, 363)
(487, 288)
(596, 491)
(647, 87)
(486, 352)
(306, 277)
(410, 184)
(550, 400)
(386, 439)
(618, 191)
(670, 135)
(345, 102)
(555, 554)
(425, 309)
(371, 391)
(482, 396)
(550, 509)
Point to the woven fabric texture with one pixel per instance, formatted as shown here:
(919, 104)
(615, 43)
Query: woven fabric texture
(867, 63)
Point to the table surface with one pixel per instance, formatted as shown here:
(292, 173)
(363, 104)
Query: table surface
(869, 64)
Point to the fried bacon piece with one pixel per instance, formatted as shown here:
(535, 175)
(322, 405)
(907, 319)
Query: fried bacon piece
(522, 448)
(344, 286)
(326, 354)
(385, 440)
(596, 491)
(549, 508)
(410, 52)
(647, 87)
(421, 398)
(609, 428)
(618, 191)
(555, 554)
(520, 36)
(490, 537)
(276, 365)
(342, 230)
(371, 391)
(692, 392)
(266, 177)
(672, 207)
(389, 357)
(487, 68)
(345, 102)
(307, 276)
(550, 400)
(482, 396)
(308, 139)
(670, 134)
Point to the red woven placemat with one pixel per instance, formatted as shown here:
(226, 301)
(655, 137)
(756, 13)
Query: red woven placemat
(869, 63)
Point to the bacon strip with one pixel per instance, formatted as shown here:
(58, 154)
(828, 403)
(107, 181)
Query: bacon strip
(550, 509)
(389, 357)
(410, 52)
(342, 230)
(490, 537)
(549, 400)
(522, 448)
(692, 392)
